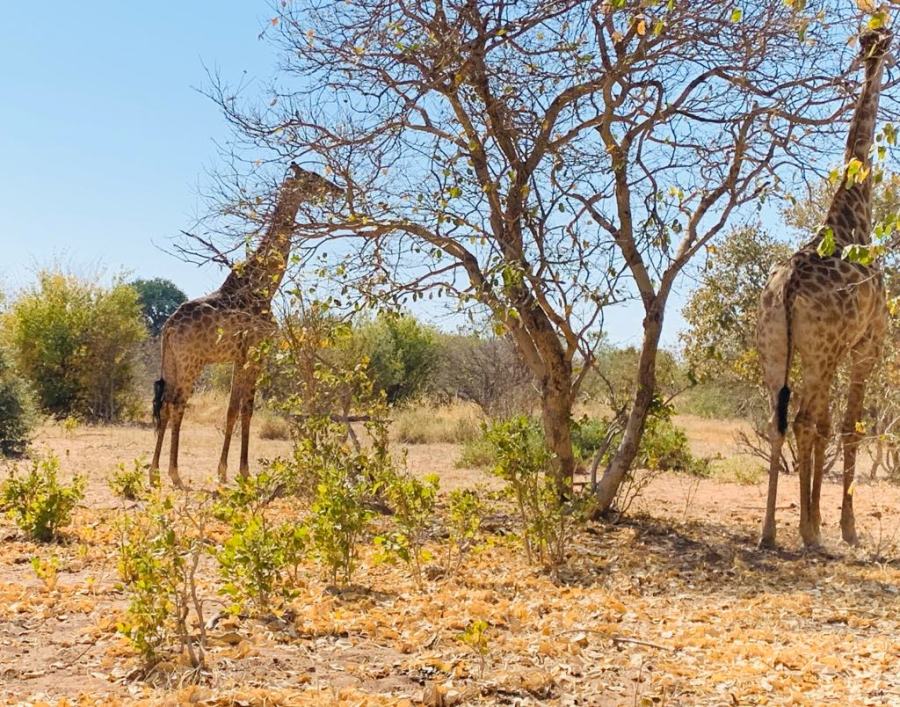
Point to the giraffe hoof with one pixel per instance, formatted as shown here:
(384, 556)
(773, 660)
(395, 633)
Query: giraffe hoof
(766, 542)
(812, 542)
(850, 537)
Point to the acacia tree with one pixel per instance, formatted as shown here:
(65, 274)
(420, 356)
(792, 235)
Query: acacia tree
(545, 159)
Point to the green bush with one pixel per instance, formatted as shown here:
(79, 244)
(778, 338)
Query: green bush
(588, 435)
(412, 501)
(38, 502)
(159, 553)
(17, 410)
(74, 341)
(129, 483)
(523, 460)
(476, 453)
(340, 518)
(663, 447)
(259, 560)
(401, 353)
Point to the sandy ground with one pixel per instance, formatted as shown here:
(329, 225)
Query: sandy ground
(671, 605)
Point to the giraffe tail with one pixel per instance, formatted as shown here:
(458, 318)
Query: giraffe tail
(159, 392)
(784, 395)
(784, 398)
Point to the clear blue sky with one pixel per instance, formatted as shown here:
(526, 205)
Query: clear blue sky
(105, 141)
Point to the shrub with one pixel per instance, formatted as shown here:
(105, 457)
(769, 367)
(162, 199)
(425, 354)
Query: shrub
(340, 517)
(256, 558)
(159, 553)
(664, 446)
(477, 453)
(129, 483)
(17, 411)
(38, 502)
(589, 434)
(523, 460)
(400, 352)
(74, 340)
(412, 501)
(464, 513)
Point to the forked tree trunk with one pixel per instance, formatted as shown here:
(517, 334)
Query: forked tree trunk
(640, 408)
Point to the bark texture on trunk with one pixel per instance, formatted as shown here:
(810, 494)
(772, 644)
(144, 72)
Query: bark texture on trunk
(556, 414)
(634, 427)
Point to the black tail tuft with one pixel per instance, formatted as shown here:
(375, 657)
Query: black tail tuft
(784, 397)
(159, 390)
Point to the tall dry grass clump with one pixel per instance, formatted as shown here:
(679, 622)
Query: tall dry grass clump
(427, 423)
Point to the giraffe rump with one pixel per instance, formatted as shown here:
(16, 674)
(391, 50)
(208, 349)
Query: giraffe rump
(159, 391)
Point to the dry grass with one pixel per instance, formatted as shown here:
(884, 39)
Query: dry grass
(741, 469)
(431, 424)
(272, 426)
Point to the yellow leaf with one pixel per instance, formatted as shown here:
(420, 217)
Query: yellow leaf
(641, 28)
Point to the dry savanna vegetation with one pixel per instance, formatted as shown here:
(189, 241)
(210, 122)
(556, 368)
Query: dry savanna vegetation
(434, 226)
(673, 604)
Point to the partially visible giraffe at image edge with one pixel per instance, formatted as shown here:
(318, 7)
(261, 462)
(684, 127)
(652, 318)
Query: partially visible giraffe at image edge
(225, 326)
(823, 309)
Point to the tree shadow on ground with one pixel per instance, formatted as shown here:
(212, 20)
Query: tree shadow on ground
(711, 558)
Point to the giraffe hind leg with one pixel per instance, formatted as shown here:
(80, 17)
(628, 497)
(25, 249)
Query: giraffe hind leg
(863, 358)
(231, 416)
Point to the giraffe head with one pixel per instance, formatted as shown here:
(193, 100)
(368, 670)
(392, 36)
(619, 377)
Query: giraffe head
(874, 44)
(314, 186)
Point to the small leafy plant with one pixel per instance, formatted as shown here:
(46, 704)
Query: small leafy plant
(129, 483)
(526, 464)
(47, 571)
(413, 501)
(340, 518)
(464, 514)
(38, 502)
(159, 554)
(259, 561)
(476, 638)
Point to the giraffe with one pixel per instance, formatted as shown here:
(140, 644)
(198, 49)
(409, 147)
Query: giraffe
(225, 325)
(824, 309)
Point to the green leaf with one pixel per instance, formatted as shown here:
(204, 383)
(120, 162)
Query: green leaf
(736, 15)
(826, 245)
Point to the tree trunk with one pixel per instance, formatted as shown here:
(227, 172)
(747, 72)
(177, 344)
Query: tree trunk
(643, 398)
(556, 414)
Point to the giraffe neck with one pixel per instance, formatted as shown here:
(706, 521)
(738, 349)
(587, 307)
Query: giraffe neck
(850, 213)
(260, 276)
